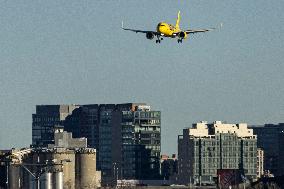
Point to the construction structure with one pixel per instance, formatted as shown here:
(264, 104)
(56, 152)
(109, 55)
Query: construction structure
(205, 148)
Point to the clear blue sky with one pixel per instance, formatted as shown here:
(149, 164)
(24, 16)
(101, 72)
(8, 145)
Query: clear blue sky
(74, 52)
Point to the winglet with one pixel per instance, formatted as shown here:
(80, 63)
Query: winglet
(218, 27)
(221, 25)
(122, 24)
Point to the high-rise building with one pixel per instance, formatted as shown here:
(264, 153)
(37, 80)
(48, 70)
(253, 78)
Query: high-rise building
(129, 141)
(206, 148)
(44, 121)
(141, 142)
(84, 122)
(270, 137)
(127, 136)
(107, 141)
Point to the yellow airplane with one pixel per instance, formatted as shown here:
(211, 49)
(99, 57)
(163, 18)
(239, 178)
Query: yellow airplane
(167, 30)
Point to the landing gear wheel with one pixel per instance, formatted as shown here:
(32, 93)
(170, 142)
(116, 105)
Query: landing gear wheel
(179, 40)
(158, 41)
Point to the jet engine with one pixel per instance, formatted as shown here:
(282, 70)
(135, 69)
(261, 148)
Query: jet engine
(182, 35)
(149, 35)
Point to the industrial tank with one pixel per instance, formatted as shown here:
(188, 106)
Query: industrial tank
(66, 159)
(86, 168)
(46, 181)
(59, 180)
(14, 176)
(52, 180)
(59, 169)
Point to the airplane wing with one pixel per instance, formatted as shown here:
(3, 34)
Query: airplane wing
(139, 31)
(198, 31)
(203, 30)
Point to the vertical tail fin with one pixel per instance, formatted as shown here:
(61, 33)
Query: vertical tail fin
(178, 19)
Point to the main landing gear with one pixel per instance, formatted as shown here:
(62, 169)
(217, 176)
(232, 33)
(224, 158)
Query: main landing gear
(179, 40)
(159, 40)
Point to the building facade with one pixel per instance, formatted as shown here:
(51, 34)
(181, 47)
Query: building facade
(141, 142)
(127, 137)
(206, 148)
(169, 167)
(44, 121)
(270, 137)
(84, 122)
(64, 139)
(129, 141)
(260, 163)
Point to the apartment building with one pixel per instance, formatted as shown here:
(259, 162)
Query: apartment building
(204, 148)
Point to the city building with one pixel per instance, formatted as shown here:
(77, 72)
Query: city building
(84, 122)
(129, 142)
(141, 142)
(44, 121)
(107, 140)
(169, 167)
(206, 148)
(270, 138)
(127, 136)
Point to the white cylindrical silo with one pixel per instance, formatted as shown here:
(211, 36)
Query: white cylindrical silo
(45, 181)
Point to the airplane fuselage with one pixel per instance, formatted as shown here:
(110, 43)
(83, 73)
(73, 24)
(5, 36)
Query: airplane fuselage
(167, 30)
